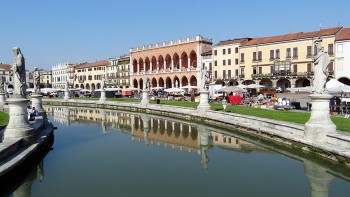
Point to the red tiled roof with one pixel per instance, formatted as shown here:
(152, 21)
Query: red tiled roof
(343, 35)
(234, 41)
(293, 36)
(6, 67)
(94, 64)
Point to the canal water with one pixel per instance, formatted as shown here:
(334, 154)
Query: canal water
(113, 153)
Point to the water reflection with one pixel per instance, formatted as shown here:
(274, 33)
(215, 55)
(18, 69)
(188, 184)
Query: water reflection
(20, 182)
(188, 137)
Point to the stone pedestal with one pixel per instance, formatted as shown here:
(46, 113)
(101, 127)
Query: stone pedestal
(2, 101)
(320, 123)
(203, 102)
(19, 126)
(38, 104)
(103, 97)
(66, 95)
(145, 99)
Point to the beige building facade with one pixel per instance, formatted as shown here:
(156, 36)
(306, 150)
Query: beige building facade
(284, 60)
(169, 64)
(89, 75)
(226, 61)
(118, 72)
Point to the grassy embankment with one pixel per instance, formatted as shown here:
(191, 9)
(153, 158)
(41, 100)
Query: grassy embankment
(300, 117)
(4, 119)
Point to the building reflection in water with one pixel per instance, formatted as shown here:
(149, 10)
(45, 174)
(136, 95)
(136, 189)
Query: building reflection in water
(188, 137)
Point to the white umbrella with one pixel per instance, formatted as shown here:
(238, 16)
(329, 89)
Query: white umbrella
(188, 86)
(231, 89)
(174, 90)
(241, 86)
(131, 89)
(300, 89)
(255, 86)
(84, 90)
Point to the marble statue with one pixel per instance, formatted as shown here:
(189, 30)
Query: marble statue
(66, 86)
(103, 83)
(36, 80)
(145, 83)
(321, 62)
(176, 84)
(2, 84)
(19, 73)
(204, 76)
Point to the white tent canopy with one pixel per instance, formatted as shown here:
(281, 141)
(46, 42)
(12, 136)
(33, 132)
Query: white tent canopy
(334, 83)
(255, 86)
(174, 90)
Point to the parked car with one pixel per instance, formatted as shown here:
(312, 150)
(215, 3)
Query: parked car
(279, 90)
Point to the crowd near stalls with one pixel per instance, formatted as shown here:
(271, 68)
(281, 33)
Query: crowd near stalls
(253, 95)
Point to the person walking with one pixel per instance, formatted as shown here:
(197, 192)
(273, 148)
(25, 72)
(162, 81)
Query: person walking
(224, 103)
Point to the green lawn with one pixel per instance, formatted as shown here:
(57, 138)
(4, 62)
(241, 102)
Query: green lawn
(300, 117)
(4, 119)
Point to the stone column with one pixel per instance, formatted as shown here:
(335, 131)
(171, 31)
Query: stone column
(320, 123)
(203, 102)
(19, 126)
(38, 104)
(180, 63)
(164, 66)
(103, 97)
(172, 65)
(66, 95)
(151, 67)
(188, 63)
(2, 100)
(138, 67)
(145, 99)
(144, 67)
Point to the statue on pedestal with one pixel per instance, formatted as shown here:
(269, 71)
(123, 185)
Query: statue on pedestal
(103, 83)
(19, 73)
(36, 80)
(66, 86)
(204, 76)
(321, 62)
(145, 83)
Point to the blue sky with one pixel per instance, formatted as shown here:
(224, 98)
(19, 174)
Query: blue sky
(56, 31)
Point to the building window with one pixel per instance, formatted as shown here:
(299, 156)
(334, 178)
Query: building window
(224, 74)
(229, 50)
(254, 70)
(260, 70)
(340, 48)
(272, 55)
(229, 62)
(254, 56)
(271, 69)
(224, 62)
(242, 57)
(288, 55)
(330, 67)
(295, 52)
(308, 51)
(236, 61)
(229, 74)
(216, 74)
(308, 68)
(330, 49)
(215, 52)
(315, 50)
(236, 50)
(277, 54)
(223, 51)
(216, 63)
(236, 72)
(242, 71)
(210, 67)
(295, 68)
(259, 55)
